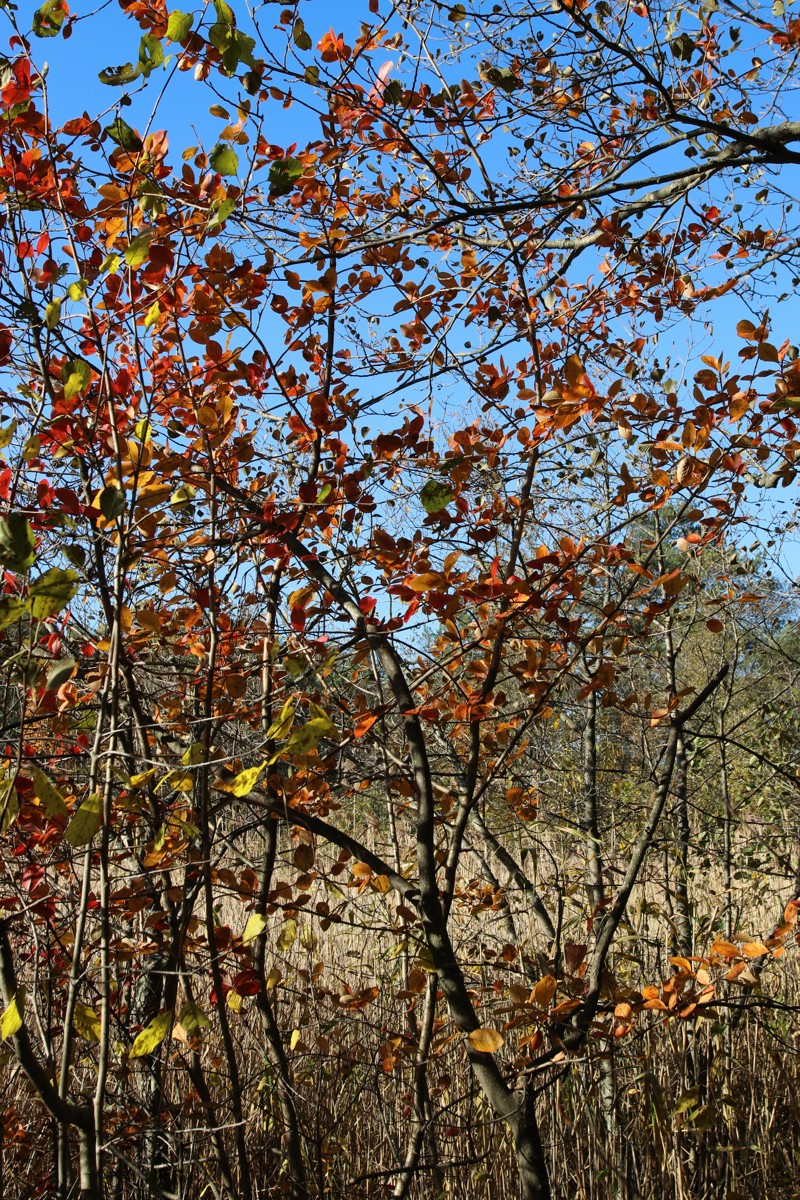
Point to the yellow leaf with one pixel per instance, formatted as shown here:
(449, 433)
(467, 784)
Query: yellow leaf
(287, 935)
(86, 821)
(86, 1022)
(485, 1040)
(137, 781)
(255, 926)
(294, 1039)
(283, 723)
(49, 795)
(9, 804)
(192, 1018)
(308, 736)
(243, 783)
(7, 434)
(235, 1002)
(11, 1020)
(52, 314)
(153, 313)
(152, 1035)
(193, 755)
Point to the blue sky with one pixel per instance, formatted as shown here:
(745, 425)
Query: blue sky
(105, 37)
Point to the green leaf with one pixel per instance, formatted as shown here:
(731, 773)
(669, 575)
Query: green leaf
(502, 77)
(86, 821)
(51, 592)
(224, 12)
(683, 47)
(9, 804)
(77, 290)
(11, 609)
(112, 502)
(110, 263)
(300, 37)
(251, 81)
(11, 1020)
(234, 47)
(17, 542)
(179, 26)
(282, 175)
(7, 434)
(192, 1018)
(60, 673)
(151, 53)
(138, 250)
(52, 314)
(121, 75)
(435, 496)
(78, 376)
(254, 928)
(49, 794)
(120, 132)
(86, 1022)
(222, 211)
(152, 1035)
(223, 158)
(48, 19)
(75, 554)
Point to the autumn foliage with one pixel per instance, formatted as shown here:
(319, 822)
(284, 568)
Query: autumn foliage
(386, 692)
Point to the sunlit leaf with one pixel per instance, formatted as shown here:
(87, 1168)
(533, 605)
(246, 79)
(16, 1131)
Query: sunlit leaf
(485, 1040)
(151, 1036)
(223, 158)
(85, 821)
(51, 592)
(254, 927)
(179, 25)
(11, 1020)
(78, 377)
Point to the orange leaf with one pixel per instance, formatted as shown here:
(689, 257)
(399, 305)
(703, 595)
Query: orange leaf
(485, 1041)
(544, 991)
(364, 724)
(724, 949)
(426, 582)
